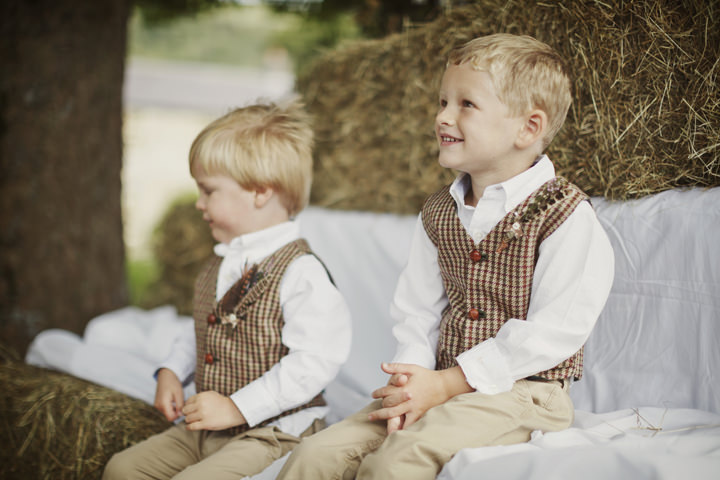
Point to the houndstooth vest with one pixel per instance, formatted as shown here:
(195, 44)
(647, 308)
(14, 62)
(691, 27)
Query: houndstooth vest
(238, 338)
(490, 282)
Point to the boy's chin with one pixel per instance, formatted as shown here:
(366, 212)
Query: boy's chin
(449, 164)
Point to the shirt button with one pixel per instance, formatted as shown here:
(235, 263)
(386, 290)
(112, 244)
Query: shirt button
(212, 319)
(209, 359)
(474, 314)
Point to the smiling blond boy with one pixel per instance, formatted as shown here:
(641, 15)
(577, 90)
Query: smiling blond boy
(507, 274)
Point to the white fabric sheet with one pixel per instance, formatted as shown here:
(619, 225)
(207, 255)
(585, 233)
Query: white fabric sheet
(656, 342)
(655, 347)
(650, 443)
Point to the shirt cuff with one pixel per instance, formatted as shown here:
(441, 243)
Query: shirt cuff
(255, 403)
(485, 368)
(183, 372)
(415, 355)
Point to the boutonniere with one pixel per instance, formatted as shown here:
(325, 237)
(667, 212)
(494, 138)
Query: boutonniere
(552, 192)
(251, 274)
(231, 320)
(511, 233)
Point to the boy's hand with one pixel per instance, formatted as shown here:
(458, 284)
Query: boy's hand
(396, 423)
(211, 411)
(424, 389)
(169, 396)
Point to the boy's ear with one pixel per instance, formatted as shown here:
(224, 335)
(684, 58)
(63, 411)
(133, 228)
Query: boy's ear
(533, 129)
(263, 196)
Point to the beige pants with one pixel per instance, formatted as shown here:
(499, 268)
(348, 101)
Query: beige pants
(181, 454)
(356, 446)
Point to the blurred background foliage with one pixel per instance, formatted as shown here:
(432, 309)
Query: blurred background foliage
(238, 35)
(253, 34)
(242, 32)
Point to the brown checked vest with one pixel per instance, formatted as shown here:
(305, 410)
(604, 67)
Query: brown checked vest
(238, 338)
(490, 282)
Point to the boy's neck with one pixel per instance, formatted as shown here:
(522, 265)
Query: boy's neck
(479, 182)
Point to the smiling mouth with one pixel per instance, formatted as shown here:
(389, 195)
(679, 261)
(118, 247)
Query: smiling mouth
(448, 139)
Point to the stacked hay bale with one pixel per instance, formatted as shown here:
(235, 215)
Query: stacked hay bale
(182, 243)
(55, 426)
(646, 115)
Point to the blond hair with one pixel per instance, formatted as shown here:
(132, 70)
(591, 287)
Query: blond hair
(525, 72)
(260, 146)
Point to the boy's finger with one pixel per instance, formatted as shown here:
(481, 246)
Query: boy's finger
(400, 368)
(393, 425)
(383, 392)
(398, 379)
(410, 418)
(385, 413)
(193, 425)
(395, 399)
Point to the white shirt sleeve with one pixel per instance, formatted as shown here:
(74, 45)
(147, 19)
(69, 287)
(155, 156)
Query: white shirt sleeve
(182, 356)
(571, 283)
(317, 332)
(418, 303)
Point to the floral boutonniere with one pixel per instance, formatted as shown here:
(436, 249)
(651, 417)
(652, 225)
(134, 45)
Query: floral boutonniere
(551, 193)
(249, 277)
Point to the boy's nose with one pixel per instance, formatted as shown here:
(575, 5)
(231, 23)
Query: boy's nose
(444, 118)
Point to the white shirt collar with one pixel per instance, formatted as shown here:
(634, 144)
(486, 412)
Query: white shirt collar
(515, 189)
(257, 245)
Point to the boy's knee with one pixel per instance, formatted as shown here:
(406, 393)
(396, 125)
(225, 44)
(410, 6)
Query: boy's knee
(118, 468)
(113, 469)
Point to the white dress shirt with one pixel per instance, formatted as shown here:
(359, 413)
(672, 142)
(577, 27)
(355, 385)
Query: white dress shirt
(571, 283)
(317, 332)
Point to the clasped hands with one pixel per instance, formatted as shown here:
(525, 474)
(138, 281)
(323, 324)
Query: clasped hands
(412, 390)
(204, 411)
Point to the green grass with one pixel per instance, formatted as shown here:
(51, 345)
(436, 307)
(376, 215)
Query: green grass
(140, 275)
(237, 35)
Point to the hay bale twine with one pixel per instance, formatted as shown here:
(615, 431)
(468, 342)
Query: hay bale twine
(56, 426)
(646, 115)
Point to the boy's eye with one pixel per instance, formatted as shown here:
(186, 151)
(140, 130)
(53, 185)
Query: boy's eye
(443, 103)
(468, 103)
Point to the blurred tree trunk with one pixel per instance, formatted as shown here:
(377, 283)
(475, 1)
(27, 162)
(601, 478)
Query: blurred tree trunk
(61, 244)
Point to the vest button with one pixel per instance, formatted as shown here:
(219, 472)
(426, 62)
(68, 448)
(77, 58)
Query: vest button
(209, 359)
(474, 314)
(475, 256)
(212, 319)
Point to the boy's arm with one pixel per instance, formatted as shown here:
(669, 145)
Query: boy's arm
(418, 303)
(416, 310)
(571, 283)
(182, 357)
(317, 332)
(180, 364)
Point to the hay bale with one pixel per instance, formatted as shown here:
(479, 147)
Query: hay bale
(646, 116)
(55, 426)
(182, 243)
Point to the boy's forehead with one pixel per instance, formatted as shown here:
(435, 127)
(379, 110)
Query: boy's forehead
(465, 76)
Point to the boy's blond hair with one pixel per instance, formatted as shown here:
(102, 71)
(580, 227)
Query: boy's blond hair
(526, 73)
(259, 146)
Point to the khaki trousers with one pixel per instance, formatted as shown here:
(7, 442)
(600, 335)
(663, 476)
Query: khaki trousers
(181, 454)
(358, 447)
